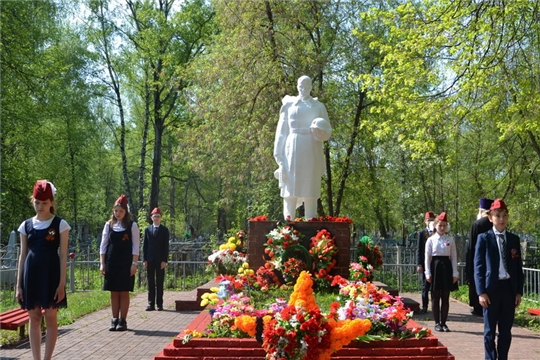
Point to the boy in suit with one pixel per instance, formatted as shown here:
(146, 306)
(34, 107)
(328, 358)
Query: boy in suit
(420, 257)
(481, 225)
(498, 276)
(155, 256)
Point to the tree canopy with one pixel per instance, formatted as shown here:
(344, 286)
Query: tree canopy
(433, 105)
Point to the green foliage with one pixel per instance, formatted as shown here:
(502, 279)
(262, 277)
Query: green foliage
(433, 104)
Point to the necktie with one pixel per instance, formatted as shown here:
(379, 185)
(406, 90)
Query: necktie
(502, 240)
(155, 230)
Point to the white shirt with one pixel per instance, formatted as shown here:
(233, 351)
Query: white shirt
(438, 245)
(135, 237)
(41, 225)
(502, 271)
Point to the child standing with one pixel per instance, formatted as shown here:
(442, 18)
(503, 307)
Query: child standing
(155, 257)
(441, 270)
(423, 235)
(119, 252)
(41, 275)
(498, 276)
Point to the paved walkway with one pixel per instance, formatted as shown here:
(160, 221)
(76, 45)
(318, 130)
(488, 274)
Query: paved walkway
(149, 332)
(466, 338)
(89, 338)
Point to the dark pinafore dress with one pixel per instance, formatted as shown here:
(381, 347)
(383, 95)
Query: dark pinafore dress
(41, 274)
(118, 259)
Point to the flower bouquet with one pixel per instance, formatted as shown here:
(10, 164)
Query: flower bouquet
(372, 254)
(281, 238)
(366, 301)
(228, 258)
(361, 271)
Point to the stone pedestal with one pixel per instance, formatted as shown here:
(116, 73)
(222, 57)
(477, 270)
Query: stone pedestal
(257, 231)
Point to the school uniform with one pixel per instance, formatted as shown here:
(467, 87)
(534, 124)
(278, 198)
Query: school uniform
(41, 274)
(498, 272)
(119, 245)
(155, 251)
(420, 259)
(478, 227)
(441, 262)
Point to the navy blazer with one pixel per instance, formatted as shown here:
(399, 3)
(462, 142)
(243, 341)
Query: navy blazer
(156, 247)
(421, 247)
(487, 259)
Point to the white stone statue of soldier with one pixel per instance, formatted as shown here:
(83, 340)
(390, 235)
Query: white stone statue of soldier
(303, 126)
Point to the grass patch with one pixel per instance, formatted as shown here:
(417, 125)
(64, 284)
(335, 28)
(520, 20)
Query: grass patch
(522, 317)
(83, 303)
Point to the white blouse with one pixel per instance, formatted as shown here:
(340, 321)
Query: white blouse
(135, 237)
(41, 225)
(438, 245)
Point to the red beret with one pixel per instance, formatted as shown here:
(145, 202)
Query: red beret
(442, 217)
(42, 190)
(122, 200)
(429, 215)
(498, 204)
(156, 211)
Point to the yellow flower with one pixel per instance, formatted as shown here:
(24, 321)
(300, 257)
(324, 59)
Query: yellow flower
(240, 270)
(214, 289)
(204, 302)
(245, 265)
(223, 246)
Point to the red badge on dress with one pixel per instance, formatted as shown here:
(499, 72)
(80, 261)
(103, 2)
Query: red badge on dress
(50, 235)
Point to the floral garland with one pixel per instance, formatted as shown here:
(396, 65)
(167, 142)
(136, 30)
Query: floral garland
(329, 218)
(267, 277)
(280, 239)
(323, 249)
(292, 269)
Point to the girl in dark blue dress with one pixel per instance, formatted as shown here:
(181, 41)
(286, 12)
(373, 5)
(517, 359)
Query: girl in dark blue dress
(41, 276)
(119, 253)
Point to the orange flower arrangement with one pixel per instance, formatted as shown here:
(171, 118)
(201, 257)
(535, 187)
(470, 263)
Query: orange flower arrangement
(320, 335)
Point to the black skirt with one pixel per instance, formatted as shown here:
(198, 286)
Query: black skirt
(441, 274)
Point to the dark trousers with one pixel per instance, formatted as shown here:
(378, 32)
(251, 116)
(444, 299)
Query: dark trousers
(425, 291)
(499, 314)
(156, 277)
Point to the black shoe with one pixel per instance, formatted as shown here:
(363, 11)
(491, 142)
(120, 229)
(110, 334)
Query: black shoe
(150, 308)
(160, 308)
(122, 325)
(445, 328)
(438, 327)
(114, 323)
(423, 311)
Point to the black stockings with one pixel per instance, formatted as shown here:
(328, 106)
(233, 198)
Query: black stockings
(441, 305)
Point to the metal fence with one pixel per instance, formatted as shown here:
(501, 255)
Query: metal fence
(398, 271)
(85, 275)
